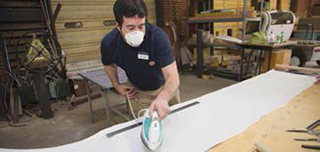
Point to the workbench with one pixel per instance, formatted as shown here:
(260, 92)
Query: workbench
(235, 45)
(259, 109)
(100, 78)
(261, 47)
(270, 131)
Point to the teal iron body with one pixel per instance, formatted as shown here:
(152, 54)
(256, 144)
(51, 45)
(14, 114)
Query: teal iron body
(151, 132)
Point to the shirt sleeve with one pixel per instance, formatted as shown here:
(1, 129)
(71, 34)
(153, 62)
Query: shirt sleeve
(106, 56)
(164, 53)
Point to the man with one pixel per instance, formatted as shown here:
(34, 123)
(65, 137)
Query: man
(144, 52)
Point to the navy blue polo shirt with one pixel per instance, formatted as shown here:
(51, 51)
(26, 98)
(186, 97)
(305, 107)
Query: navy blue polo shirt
(144, 74)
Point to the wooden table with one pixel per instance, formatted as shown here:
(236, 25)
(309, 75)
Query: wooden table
(241, 46)
(271, 129)
(263, 47)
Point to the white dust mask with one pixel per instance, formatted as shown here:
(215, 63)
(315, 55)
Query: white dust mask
(134, 38)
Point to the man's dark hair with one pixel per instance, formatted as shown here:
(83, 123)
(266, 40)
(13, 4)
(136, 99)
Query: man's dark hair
(129, 8)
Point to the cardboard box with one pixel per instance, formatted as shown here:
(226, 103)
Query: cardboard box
(206, 55)
(215, 60)
(228, 57)
(80, 87)
(278, 56)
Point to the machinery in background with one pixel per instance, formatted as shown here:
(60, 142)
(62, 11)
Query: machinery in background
(308, 48)
(278, 23)
(304, 52)
(283, 23)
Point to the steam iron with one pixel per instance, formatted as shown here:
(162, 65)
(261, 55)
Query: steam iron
(151, 133)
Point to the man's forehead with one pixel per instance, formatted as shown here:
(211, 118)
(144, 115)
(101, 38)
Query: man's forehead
(134, 20)
(128, 25)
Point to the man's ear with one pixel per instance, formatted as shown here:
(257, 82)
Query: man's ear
(118, 26)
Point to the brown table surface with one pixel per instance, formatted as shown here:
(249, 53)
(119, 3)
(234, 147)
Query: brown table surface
(276, 45)
(270, 130)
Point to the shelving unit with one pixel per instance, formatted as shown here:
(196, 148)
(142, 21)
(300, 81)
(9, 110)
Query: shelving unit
(234, 18)
(212, 19)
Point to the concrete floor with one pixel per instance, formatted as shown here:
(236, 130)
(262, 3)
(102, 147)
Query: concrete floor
(73, 124)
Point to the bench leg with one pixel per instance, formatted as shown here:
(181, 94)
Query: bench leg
(89, 100)
(107, 106)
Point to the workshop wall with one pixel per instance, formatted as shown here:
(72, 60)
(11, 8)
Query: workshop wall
(175, 10)
(306, 8)
(82, 24)
(235, 27)
(285, 4)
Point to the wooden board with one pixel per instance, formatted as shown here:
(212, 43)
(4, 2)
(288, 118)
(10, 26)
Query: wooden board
(308, 71)
(285, 5)
(230, 4)
(302, 8)
(273, 4)
(300, 112)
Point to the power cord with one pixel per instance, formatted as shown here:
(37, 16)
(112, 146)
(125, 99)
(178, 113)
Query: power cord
(131, 108)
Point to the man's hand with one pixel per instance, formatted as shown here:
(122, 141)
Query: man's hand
(126, 90)
(161, 106)
(123, 89)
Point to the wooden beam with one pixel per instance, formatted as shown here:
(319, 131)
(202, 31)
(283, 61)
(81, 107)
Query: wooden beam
(43, 96)
(159, 13)
(309, 14)
(298, 69)
(200, 47)
(279, 4)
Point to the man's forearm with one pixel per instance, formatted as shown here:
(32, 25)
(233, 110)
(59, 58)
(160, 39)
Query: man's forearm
(169, 90)
(172, 83)
(112, 72)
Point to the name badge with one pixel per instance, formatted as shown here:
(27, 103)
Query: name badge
(143, 56)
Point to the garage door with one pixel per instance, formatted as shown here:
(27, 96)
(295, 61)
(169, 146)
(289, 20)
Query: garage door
(82, 24)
